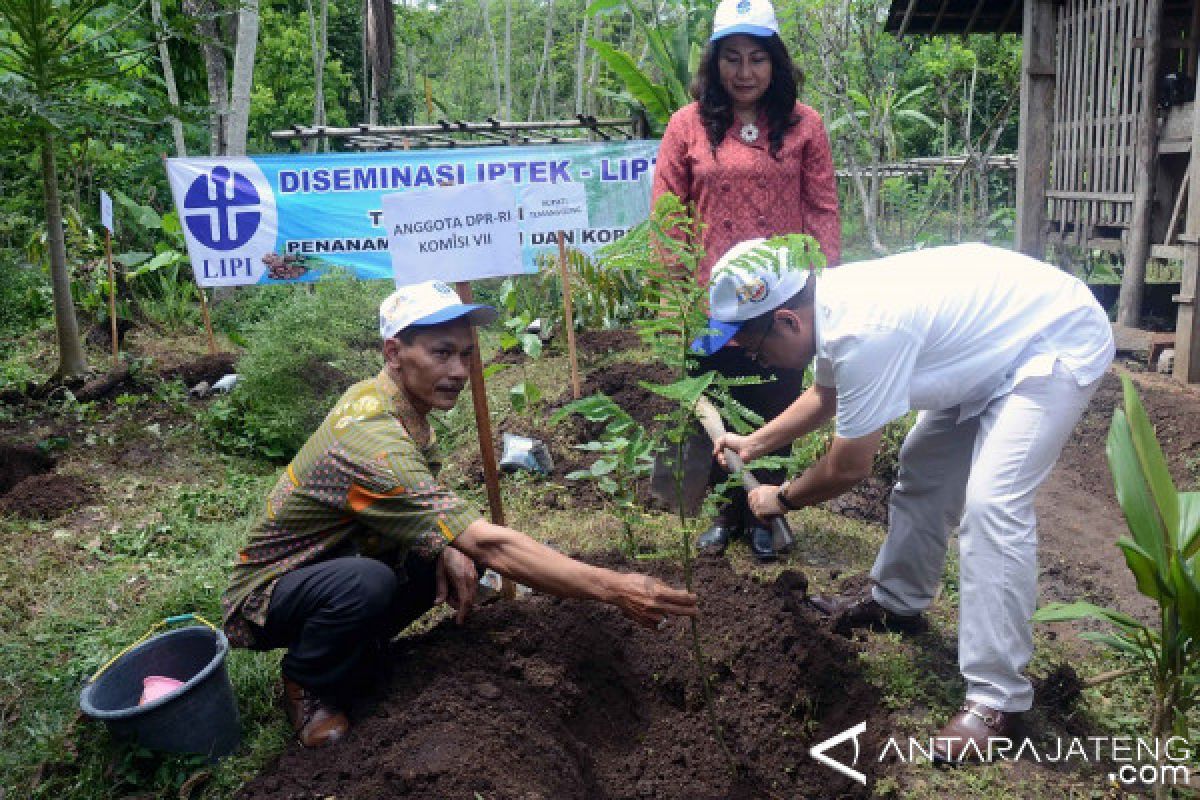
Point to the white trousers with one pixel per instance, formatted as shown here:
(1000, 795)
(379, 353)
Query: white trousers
(980, 475)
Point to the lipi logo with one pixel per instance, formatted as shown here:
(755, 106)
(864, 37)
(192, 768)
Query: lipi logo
(743, 7)
(221, 211)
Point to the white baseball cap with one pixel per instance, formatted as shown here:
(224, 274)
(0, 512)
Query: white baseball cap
(427, 303)
(753, 278)
(755, 17)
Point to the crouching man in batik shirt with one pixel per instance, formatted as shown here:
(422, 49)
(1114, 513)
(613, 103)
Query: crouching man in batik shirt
(359, 538)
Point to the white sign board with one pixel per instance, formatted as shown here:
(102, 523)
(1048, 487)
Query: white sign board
(551, 207)
(453, 233)
(106, 210)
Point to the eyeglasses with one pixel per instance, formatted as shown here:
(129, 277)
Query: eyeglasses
(753, 352)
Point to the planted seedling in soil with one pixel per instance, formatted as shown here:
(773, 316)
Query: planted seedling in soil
(627, 454)
(666, 252)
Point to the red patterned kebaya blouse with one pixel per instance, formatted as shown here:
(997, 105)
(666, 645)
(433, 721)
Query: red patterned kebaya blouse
(745, 193)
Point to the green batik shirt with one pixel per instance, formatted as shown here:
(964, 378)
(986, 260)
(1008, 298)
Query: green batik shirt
(362, 484)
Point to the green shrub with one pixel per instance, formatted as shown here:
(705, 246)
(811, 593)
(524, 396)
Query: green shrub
(25, 299)
(300, 356)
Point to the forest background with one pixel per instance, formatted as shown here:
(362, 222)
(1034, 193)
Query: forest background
(94, 94)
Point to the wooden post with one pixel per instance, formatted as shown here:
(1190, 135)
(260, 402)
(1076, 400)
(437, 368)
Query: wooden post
(112, 297)
(1137, 250)
(483, 420)
(1187, 321)
(569, 320)
(483, 427)
(1036, 126)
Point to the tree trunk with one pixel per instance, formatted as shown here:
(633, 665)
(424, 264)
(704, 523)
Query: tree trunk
(491, 36)
(547, 40)
(364, 114)
(595, 71)
(318, 34)
(580, 64)
(204, 12)
(508, 59)
(71, 360)
(243, 77)
(164, 57)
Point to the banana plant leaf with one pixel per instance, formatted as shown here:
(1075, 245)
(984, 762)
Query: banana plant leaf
(1068, 612)
(1150, 456)
(1187, 595)
(1141, 514)
(654, 97)
(1145, 572)
(1189, 524)
(1116, 642)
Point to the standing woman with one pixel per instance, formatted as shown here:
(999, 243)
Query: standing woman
(753, 162)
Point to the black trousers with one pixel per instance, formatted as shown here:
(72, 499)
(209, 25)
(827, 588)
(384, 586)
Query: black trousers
(329, 614)
(766, 399)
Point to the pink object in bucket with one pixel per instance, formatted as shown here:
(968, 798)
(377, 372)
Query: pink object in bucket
(156, 686)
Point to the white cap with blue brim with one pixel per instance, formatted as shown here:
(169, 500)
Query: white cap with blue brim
(428, 303)
(753, 278)
(752, 17)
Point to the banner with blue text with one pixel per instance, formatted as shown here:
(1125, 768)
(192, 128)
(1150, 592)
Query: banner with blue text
(291, 218)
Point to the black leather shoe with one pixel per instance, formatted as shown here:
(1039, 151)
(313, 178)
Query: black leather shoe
(847, 612)
(715, 539)
(762, 544)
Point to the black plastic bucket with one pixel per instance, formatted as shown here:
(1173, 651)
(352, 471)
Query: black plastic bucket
(199, 717)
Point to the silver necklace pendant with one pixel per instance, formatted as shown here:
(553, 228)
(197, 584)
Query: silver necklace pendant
(748, 133)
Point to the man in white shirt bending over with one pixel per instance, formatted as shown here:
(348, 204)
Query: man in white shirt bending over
(1000, 354)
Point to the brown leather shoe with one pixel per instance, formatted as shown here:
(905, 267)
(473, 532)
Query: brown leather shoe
(850, 611)
(965, 737)
(317, 723)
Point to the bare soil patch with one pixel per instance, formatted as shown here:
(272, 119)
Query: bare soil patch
(18, 462)
(553, 699)
(45, 496)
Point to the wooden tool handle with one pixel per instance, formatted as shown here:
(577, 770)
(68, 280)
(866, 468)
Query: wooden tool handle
(714, 426)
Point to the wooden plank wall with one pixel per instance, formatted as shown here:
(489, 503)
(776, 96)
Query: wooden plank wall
(1099, 68)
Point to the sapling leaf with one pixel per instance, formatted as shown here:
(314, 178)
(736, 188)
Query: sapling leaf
(531, 344)
(492, 369)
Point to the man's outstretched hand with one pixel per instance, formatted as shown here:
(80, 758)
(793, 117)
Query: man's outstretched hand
(649, 602)
(457, 582)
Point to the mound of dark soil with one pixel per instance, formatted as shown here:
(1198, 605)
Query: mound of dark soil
(208, 368)
(45, 496)
(566, 700)
(596, 343)
(18, 462)
(622, 382)
(867, 501)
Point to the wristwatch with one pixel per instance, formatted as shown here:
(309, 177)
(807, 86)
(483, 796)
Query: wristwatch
(781, 496)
